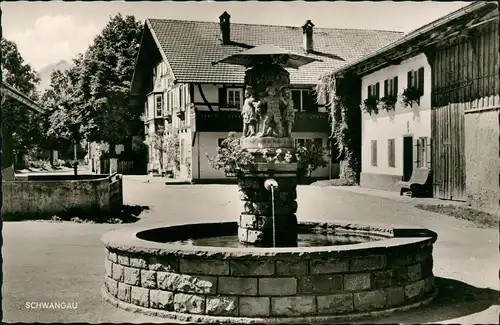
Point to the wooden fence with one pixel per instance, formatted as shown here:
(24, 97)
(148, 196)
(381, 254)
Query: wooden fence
(125, 167)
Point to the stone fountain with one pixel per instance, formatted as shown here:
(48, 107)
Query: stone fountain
(267, 267)
(268, 114)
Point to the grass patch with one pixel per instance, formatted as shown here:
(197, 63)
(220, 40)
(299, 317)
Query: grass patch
(128, 214)
(479, 218)
(334, 182)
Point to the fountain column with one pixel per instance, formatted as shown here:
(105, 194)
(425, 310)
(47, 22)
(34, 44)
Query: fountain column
(268, 116)
(256, 219)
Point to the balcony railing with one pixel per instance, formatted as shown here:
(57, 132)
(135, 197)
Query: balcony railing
(227, 121)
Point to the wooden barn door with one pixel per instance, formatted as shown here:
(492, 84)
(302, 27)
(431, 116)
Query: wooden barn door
(448, 148)
(464, 70)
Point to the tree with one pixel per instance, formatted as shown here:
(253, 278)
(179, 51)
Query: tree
(167, 146)
(24, 124)
(104, 81)
(64, 123)
(62, 103)
(158, 141)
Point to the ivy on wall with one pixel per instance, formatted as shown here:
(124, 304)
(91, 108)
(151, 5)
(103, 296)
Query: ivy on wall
(344, 99)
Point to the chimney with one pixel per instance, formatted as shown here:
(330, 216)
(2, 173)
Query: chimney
(225, 27)
(307, 29)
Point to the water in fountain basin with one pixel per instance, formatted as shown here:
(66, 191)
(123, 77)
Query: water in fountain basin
(303, 240)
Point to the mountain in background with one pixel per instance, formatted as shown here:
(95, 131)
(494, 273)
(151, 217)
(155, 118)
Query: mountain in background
(46, 72)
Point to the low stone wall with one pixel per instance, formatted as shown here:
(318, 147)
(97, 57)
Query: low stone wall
(46, 196)
(266, 285)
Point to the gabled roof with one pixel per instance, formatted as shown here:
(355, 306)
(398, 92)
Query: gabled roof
(466, 17)
(191, 46)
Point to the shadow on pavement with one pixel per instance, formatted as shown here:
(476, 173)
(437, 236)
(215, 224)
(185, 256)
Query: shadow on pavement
(128, 214)
(455, 299)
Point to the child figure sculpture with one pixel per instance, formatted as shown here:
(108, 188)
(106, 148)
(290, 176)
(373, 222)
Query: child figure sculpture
(272, 119)
(288, 110)
(248, 113)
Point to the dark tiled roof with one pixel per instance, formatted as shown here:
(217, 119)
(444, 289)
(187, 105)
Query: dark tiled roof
(191, 46)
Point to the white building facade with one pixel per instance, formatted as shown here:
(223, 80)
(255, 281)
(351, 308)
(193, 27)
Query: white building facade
(395, 142)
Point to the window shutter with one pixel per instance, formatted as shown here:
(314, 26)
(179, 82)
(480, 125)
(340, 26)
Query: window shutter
(386, 87)
(222, 97)
(391, 158)
(421, 80)
(409, 79)
(377, 90)
(429, 153)
(369, 91)
(395, 85)
(416, 153)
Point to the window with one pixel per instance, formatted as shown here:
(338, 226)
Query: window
(415, 78)
(374, 152)
(159, 104)
(391, 87)
(391, 152)
(422, 153)
(299, 142)
(317, 142)
(234, 98)
(374, 90)
(303, 100)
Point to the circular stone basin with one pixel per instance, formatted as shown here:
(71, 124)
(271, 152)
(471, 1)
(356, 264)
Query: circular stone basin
(200, 273)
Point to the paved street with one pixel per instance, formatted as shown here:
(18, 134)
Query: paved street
(64, 262)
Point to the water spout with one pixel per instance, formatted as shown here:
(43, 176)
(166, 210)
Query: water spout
(271, 184)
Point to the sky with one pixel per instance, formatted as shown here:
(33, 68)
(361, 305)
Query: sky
(48, 32)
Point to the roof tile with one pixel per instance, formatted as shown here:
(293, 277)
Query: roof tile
(192, 46)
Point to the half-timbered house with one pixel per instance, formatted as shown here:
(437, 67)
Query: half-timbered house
(179, 87)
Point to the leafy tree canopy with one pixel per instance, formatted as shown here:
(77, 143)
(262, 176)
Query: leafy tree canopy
(90, 100)
(105, 74)
(25, 125)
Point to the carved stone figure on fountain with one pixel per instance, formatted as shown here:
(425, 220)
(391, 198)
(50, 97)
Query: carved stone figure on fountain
(287, 111)
(271, 119)
(249, 114)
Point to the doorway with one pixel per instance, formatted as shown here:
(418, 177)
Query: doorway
(407, 157)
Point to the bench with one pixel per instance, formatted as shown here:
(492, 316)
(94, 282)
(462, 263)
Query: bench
(420, 183)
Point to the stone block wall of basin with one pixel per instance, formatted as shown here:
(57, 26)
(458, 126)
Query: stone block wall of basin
(312, 285)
